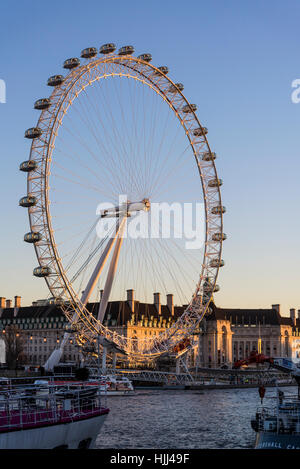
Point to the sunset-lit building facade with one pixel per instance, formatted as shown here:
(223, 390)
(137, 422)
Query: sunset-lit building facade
(231, 334)
(225, 335)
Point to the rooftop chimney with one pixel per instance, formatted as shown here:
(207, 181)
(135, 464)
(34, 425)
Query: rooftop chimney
(8, 304)
(2, 305)
(293, 315)
(17, 302)
(130, 299)
(277, 308)
(157, 302)
(170, 303)
(17, 305)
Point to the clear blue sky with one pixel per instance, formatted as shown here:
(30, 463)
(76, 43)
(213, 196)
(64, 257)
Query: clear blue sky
(237, 60)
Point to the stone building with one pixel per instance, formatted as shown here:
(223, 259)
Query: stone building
(231, 334)
(225, 335)
(42, 325)
(41, 328)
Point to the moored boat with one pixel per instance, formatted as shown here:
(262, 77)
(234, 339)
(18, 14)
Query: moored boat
(113, 384)
(118, 386)
(278, 426)
(50, 416)
(109, 385)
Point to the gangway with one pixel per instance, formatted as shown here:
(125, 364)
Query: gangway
(164, 377)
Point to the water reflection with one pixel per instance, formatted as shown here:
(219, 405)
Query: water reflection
(182, 419)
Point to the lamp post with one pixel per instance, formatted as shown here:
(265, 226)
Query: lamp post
(3, 333)
(30, 338)
(98, 351)
(17, 336)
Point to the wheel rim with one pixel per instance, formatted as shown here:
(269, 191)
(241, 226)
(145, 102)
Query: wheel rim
(50, 121)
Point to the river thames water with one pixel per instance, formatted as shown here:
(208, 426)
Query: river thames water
(167, 419)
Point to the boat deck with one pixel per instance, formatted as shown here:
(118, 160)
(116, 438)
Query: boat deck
(40, 406)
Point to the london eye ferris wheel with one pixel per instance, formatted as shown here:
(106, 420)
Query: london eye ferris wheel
(116, 125)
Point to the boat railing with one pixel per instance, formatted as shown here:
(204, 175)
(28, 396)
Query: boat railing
(39, 405)
(283, 418)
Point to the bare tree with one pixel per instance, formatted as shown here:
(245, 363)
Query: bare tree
(13, 345)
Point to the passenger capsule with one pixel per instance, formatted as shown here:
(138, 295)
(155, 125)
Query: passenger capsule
(126, 50)
(163, 70)
(55, 80)
(209, 156)
(188, 108)
(200, 131)
(218, 209)
(89, 52)
(215, 182)
(42, 271)
(219, 237)
(107, 48)
(68, 327)
(27, 166)
(58, 301)
(217, 263)
(28, 201)
(175, 88)
(42, 104)
(32, 237)
(33, 132)
(71, 63)
(209, 288)
(145, 57)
